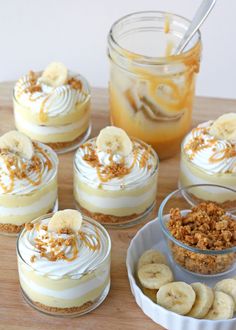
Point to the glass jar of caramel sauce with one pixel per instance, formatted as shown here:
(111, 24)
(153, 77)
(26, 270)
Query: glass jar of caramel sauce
(151, 90)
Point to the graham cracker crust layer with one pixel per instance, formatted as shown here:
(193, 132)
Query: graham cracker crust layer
(109, 219)
(8, 228)
(70, 310)
(57, 146)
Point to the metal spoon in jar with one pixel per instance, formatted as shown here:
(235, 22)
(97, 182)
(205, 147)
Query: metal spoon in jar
(200, 16)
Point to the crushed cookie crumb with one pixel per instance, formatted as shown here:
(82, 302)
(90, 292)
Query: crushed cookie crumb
(206, 227)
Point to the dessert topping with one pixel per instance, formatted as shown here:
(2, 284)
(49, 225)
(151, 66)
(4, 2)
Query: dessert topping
(66, 221)
(224, 127)
(207, 226)
(55, 75)
(114, 140)
(18, 143)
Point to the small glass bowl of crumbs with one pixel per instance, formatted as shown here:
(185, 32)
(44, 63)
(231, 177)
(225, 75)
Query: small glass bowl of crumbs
(200, 234)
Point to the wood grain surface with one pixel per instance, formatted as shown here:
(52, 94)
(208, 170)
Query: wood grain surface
(119, 310)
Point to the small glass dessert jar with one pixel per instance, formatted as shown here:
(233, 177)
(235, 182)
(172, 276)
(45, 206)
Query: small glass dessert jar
(53, 107)
(152, 90)
(115, 178)
(64, 268)
(208, 155)
(200, 235)
(28, 181)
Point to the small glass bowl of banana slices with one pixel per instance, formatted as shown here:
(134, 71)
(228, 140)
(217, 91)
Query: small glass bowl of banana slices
(172, 297)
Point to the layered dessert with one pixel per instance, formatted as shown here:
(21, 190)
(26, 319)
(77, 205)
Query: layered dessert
(28, 181)
(64, 263)
(115, 178)
(53, 107)
(151, 90)
(209, 156)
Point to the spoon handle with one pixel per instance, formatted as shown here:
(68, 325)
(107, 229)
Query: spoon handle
(200, 16)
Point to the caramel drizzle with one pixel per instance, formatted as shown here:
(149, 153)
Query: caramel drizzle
(19, 170)
(34, 87)
(55, 244)
(114, 170)
(198, 144)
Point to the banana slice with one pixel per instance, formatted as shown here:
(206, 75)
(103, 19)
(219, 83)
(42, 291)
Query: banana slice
(65, 220)
(203, 302)
(224, 127)
(153, 276)
(222, 308)
(115, 140)
(152, 257)
(55, 74)
(177, 297)
(228, 286)
(150, 293)
(18, 143)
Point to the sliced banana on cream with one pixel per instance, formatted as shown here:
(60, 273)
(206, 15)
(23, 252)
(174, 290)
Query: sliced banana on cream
(152, 257)
(224, 127)
(177, 297)
(18, 143)
(203, 302)
(153, 276)
(55, 74)
(222, 307)
(115, 140)
(70, 220)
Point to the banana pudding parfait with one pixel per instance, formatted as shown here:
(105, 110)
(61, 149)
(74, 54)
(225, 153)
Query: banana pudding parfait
(28, 181)
(209, 156)
(53, 107)
(115, 178)
(64, 263)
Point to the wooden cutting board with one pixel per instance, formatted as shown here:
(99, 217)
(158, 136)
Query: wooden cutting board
(119, 310)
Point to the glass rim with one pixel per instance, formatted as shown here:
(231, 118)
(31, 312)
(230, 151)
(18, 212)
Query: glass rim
(179, 243)
(150, 60)
(131, 184)
(88, 271)
(183, 154)
(83, 79)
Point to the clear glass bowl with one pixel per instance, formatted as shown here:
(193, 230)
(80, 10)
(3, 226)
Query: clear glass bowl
(68, 295)
(195, 260)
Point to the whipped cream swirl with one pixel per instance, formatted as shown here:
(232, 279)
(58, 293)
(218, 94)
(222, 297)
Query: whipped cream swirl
(22, 176)
(141, 162)
(209, 153)
(92, 244)
(57, 101)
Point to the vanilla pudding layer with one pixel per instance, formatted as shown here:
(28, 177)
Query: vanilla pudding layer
(80, 276)
(66, 292)
(53, 134)
(190, 174)
(126, 195)
(19, 209)
(123, 202)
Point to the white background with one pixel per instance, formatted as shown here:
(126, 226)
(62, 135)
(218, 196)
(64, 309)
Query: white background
(35, 32)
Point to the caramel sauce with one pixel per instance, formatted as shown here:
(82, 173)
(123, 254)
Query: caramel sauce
(167, 24)
(34, 87)
(18, 169)
(55, 244)
(114, 170)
